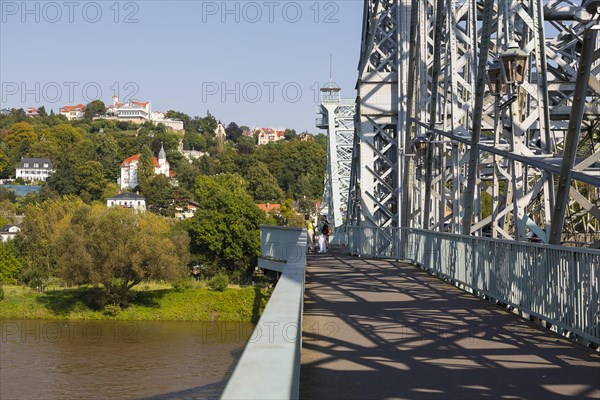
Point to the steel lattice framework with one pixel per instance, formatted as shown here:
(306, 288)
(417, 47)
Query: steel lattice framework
(507, 161)
(337, 116)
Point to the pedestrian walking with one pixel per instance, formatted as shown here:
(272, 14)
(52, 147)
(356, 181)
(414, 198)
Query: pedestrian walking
(311, 233)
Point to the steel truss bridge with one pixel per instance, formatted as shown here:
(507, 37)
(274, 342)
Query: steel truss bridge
(476, 117)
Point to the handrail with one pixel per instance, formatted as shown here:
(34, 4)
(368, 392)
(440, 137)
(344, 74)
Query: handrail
(270, 365)
(556, 284)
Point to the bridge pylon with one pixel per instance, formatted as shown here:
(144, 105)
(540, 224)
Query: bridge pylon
(337, 116)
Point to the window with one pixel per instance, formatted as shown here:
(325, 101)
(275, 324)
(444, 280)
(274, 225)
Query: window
(45, 165)
(36, 165)
(25, 165)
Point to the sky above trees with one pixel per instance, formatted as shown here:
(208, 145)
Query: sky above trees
(258, 63)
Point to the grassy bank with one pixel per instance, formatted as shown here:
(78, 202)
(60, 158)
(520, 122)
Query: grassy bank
(152, 302)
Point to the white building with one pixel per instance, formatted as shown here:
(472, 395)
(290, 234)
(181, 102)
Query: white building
(9, 232)
(73, 112)
(129, 168)
(134, 111)
(268, 135)
(127, 200)
(161, 118)
(34, 169)
(186, 211)
(190, 155)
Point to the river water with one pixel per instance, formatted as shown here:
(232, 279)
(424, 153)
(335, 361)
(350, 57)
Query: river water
(117, 360)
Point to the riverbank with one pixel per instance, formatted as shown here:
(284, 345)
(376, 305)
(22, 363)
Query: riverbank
(152, 302)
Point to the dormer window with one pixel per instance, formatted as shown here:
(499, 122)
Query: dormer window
(36, 165)
(25, 165)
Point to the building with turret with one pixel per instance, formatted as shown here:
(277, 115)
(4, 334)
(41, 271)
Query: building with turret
(129, 169)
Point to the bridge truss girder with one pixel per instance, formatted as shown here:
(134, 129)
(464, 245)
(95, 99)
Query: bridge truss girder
(494, 160)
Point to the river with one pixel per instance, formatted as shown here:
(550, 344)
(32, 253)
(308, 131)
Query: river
(117, 360)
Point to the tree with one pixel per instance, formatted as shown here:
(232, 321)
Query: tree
(233, 131)
(159, 195)
(145, 170)
(10, 266)
(290, 134)
(20, 137)
(225, 230)
(42, 111)
(90, 178)
(119, 248)
(94, 108)
(262, 185)
(39, 232)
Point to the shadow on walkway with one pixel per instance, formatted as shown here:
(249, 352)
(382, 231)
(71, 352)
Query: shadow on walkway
(376, 329)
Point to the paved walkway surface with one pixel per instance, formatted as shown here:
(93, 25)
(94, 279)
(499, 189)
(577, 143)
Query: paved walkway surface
(376, 329)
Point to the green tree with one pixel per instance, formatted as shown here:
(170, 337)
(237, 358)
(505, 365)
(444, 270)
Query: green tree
(94, 108)
(262, 185)
(10, 266)
(90, 178)
(159, 196)
(225, 231)
(119, 248)
(39, 232)
(290, 134)
(145, 170)
(20, 137)
(233, 132)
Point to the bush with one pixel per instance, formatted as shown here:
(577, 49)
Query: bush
(111, 310)
(182, 284)
(219, 282)
(1, 293)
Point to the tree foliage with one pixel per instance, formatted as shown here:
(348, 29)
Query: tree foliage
(145, 170)
(262, 185)
(10, 265)
(118, 249)
(225, 229)
(39, 232)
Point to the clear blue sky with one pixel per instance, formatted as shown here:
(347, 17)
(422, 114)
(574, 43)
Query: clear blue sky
(255, 63)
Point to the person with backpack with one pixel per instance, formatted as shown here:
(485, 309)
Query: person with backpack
(324, 232)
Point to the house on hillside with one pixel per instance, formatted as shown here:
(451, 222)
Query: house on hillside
(139, 112)
(268, 135)
(73, 113)
(186, 211)
(34, 169)
(129, 169)
(8, 232)
(127, 200)
(190, 155)
(32, 112)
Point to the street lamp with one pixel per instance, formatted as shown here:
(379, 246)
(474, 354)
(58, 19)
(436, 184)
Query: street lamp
(494, 79)
(512, 62)
(421, 147)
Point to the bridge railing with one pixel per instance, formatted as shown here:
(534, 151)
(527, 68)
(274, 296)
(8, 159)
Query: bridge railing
(270, 365)
(556, 284)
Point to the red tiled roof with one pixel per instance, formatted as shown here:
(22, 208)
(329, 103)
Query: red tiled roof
(78, 107)
(136, 158)
(269, 207)
(137, 103)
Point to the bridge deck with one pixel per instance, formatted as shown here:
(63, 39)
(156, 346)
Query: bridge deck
(377, 329)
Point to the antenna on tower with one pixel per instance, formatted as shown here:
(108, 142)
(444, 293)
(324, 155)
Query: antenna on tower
(330, 67)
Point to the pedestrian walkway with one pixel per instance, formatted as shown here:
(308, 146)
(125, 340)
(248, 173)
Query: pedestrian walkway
(376, 329)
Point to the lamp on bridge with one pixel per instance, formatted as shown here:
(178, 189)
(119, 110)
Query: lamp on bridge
(494, 79)
(421, 145)
(512, 62)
